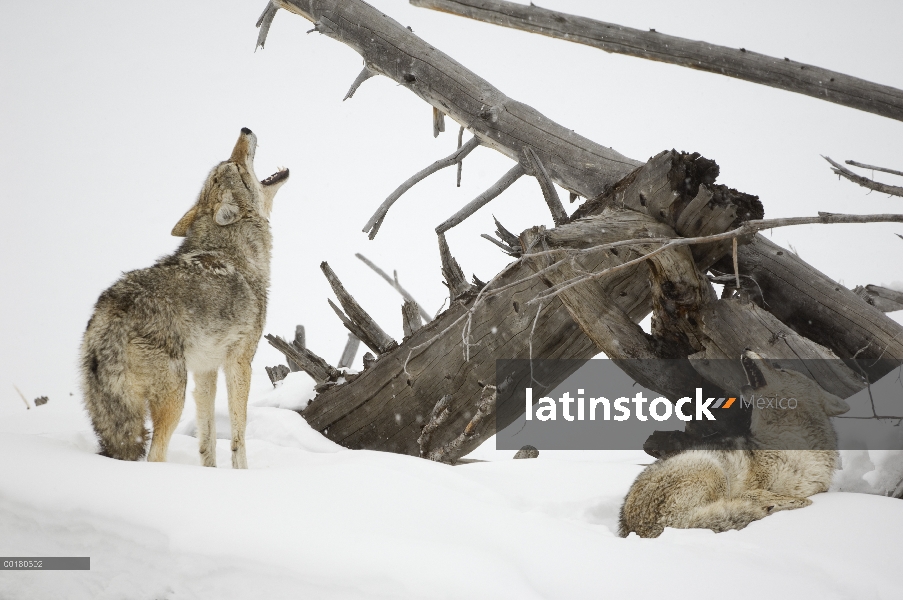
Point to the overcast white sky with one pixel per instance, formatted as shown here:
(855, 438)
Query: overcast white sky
(113, 112)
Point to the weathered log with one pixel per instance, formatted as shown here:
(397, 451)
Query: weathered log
(817, 307)
(357, 321)
(549, 193)
(740, 63)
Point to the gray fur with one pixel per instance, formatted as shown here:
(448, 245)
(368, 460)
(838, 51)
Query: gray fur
(728, 489)
(199, 309)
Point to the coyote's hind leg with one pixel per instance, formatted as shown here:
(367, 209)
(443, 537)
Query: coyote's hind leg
(166, 399)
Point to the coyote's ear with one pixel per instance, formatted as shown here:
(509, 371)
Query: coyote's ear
(226, 212)
(834, 406)
(181, 228)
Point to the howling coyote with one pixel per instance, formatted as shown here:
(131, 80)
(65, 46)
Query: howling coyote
(199, 309)
(728, 489)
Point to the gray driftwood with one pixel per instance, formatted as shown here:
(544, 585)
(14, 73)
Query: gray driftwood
(740, 63)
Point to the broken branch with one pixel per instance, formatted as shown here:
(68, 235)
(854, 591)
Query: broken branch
(559, 216)
(865, 182)
(457, 156)
(310, 363)
(395, 284)
(264, 22)
(363, 76)
(873, 168)
(357, 320)
(483, 199)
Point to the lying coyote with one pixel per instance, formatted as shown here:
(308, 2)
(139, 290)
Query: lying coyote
(199, 309)
(728, 489)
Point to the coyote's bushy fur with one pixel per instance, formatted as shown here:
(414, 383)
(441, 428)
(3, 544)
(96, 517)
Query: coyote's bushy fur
(199, 309)
(728, 489)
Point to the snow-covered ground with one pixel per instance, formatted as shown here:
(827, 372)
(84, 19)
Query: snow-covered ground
(312, 520)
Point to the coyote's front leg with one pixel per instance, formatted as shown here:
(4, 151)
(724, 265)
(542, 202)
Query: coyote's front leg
(205, 400)
(238, 382)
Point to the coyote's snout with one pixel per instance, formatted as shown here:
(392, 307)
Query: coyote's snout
(199, 309)
(728, 489)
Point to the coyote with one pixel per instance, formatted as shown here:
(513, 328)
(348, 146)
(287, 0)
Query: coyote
(728, 489)
(201, 308)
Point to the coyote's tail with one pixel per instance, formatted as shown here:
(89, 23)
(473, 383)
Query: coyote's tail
(116, 415)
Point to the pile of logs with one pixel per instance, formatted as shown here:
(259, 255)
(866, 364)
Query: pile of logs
(649, 238)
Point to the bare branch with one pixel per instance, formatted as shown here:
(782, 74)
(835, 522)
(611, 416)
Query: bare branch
(460, 162)
(363, 76)
(21, 395)
(457, 156)
(483, 199)
(358, 321)
(873, 168)
(505, 247)
(439, 122)
(747, 228)
(310, 363)
(865, 182)
(451, 270)
(548, 188)
(395, 284)
(264, 22)
(740, 63)
(350, 351)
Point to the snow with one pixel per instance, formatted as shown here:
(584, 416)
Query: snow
(311, 519)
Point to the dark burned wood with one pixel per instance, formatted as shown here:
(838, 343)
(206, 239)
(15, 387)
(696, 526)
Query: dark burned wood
(819, 308)
(357, 320)
(506, 125)
(882, 298)
(410, 318)
(310, 363)
(740, 63)
(455, 280)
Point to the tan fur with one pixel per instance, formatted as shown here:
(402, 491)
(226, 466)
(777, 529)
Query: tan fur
(199, 309)
(728, 489)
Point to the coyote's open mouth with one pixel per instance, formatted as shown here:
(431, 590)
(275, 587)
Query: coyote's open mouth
(280, 175)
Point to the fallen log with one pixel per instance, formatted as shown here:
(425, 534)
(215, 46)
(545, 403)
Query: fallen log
(739, 63)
